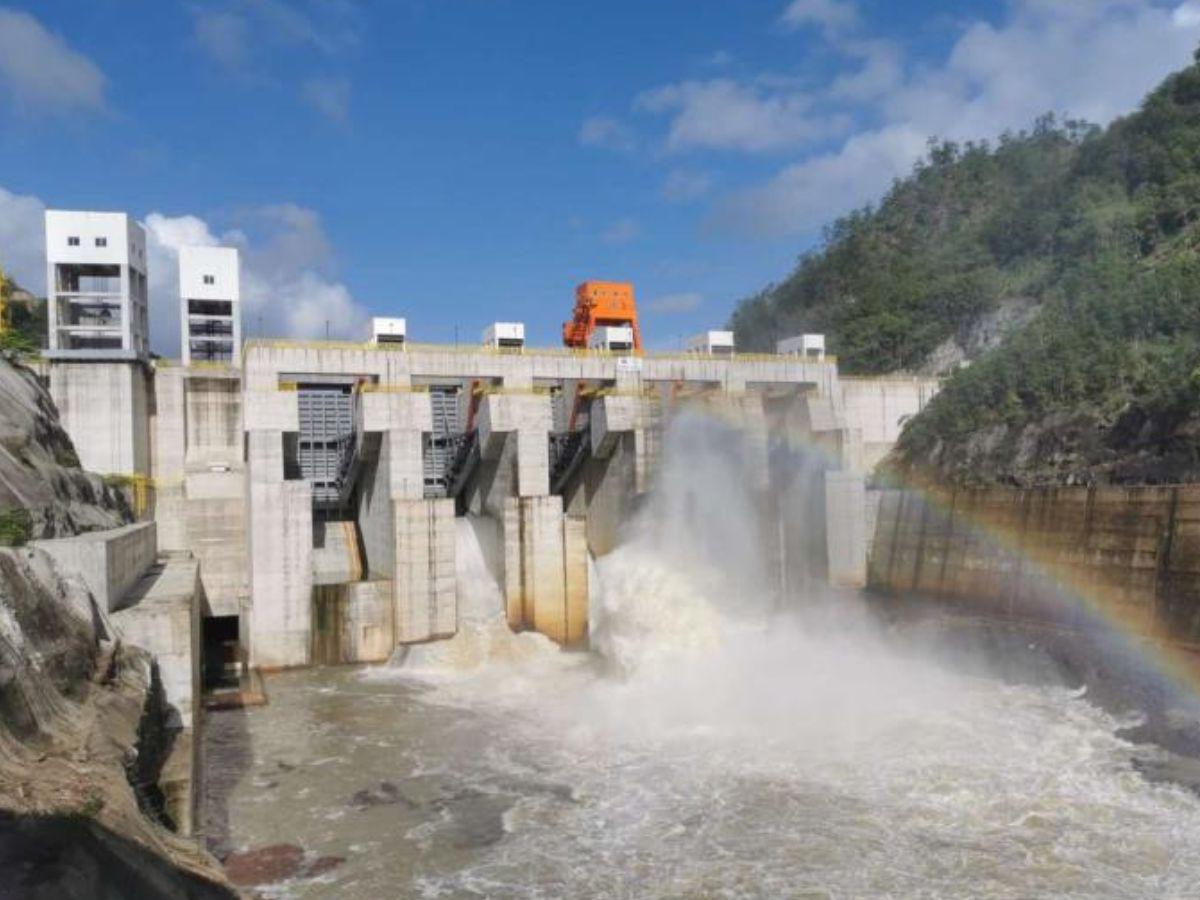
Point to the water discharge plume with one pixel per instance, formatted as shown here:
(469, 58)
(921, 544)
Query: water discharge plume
(688, 614)
(483, 637)
(720, 743)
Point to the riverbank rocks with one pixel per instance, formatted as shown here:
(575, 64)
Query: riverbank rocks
(274, 864)
(80, 745)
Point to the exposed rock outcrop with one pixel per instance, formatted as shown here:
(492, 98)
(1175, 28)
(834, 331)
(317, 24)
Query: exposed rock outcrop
(39, 471)
(78, 744)
(981, 335)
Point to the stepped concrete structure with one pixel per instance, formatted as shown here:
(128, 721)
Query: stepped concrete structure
(316, 483)
(154, 601)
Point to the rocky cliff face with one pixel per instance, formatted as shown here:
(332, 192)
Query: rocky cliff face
(1077, 447)
(78, 743)
(39, 471)
(980, 335)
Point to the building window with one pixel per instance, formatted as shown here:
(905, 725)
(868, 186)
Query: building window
(208, 279)
(101, 242)
(72, 242)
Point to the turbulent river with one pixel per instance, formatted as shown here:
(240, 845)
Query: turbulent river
(707, 747)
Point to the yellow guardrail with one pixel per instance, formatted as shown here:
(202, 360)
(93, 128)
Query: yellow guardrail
(201, 365)
(138, 489)
(483, 390)
(375, 387)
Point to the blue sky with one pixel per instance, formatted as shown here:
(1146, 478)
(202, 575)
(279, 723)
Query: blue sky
(459, 161)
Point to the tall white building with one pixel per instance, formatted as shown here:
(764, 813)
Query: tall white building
(97, 306)
(211, 304)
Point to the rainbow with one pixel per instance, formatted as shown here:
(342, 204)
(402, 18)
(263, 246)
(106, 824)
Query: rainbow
(1054, 546)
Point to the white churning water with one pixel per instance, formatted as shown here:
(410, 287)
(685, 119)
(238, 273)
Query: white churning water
(709, 748)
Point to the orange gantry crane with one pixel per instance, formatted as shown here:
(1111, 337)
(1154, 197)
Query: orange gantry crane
(599, 304)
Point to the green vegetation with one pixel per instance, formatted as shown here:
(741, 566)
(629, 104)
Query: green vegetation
(1099, 227)
(16, 527)
(92, 805)
(26, 331)
(970, 225)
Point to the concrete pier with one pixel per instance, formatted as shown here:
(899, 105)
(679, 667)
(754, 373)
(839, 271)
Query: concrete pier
(545, 570)
(426, 598)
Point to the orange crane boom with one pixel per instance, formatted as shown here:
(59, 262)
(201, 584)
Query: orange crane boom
(599, 303)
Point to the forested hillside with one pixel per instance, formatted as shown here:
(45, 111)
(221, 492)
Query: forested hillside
(26, 331)
(1093, 230)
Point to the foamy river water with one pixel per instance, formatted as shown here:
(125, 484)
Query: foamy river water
(706, 747)
(714, 759)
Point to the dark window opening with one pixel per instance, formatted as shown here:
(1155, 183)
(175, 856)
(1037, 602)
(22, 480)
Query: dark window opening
(210, 351)
(210, 307)
(221, 664)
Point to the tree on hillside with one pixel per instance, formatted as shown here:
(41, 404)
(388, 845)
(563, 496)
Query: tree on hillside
(1098, 227)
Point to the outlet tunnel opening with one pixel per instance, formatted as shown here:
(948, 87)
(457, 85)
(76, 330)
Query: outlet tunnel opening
(221, 662)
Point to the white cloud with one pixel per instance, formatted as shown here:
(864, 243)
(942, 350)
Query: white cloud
(720, 59)
(224, 36)
(807, 195)
(23, 240)
(675, 303)
(237, 33)
(330, 97)
(880, 71)
(326, 25)
(39, 72)
(621, 231)
(683, 186)
(287, 290)
(1187, 15)
(607, 132)
(247, 38)
(1092, 60)
(723, 114)
(832, 15)
(287, 287)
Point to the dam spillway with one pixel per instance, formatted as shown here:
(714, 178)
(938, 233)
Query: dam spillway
(250, 467)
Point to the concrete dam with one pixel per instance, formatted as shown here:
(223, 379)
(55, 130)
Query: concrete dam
(316, 484)
(740, 725)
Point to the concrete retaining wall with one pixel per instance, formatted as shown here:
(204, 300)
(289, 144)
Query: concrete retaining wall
(105, 409)
(162, 616)
(877, 408)
(110, 562)
(214, 422)
(1055, 554)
